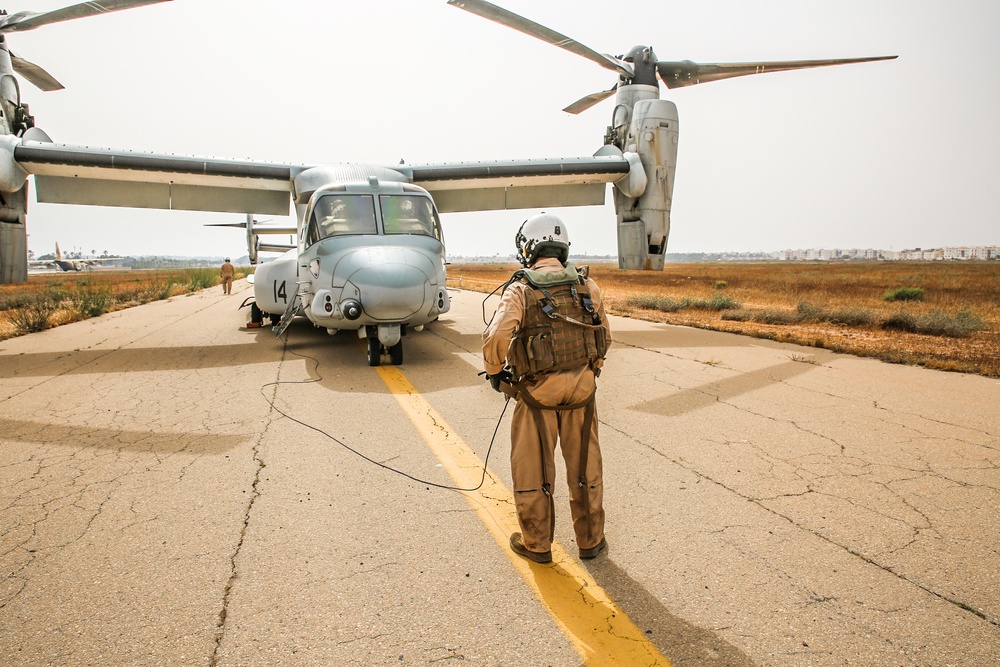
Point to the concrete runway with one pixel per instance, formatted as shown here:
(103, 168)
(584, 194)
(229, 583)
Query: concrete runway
(767, 504)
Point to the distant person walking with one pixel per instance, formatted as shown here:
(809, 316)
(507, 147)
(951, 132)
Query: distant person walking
(227, 273)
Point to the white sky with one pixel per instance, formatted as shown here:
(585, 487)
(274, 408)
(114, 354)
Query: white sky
(890, 155)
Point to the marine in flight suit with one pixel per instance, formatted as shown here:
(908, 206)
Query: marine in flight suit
(226, 273)
(557, 405)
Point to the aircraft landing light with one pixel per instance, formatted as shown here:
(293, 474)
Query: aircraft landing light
(597, 628)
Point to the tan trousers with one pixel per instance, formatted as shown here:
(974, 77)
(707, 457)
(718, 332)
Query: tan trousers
(227, 285)
(532, 462)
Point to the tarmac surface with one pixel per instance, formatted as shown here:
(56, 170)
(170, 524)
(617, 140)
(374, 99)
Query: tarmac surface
(767, 504)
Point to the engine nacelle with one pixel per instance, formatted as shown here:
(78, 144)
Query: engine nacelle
(13, 213)
(646, 125)
(276, 283)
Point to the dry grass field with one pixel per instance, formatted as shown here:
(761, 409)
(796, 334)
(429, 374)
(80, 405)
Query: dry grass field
(51, 299)
(943, 315)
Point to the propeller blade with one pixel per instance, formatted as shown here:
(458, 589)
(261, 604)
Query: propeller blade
(31, 20)
(35, 74)
(585, 103)
(521, 24)
(686, 73)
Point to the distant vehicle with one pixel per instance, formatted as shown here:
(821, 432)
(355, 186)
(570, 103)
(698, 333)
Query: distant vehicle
(69, 264)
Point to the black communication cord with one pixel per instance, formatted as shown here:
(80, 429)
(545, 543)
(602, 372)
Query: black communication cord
(319, 378)
(499, 288)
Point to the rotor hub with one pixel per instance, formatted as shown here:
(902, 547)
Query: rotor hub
(643, 61)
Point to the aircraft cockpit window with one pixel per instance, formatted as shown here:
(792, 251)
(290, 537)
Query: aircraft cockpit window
(409, 214)
(342, 214)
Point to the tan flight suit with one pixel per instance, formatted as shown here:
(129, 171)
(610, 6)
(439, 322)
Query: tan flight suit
(535, 510)
(227, 273)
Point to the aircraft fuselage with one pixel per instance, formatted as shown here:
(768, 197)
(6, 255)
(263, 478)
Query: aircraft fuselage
(370, 258)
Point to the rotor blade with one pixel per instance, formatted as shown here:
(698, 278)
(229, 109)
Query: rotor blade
(585, 103)
(687, 73)
(35, 74)
(31, 20)
(512, 20)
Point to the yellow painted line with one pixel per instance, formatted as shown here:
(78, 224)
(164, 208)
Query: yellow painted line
(597, 628)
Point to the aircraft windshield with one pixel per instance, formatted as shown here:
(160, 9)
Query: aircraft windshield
(342, 214)
(409, 214)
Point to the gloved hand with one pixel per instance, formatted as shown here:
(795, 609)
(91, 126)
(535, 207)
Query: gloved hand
(502, 376)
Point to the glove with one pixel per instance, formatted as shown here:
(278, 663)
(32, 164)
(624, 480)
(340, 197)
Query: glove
(502, 376)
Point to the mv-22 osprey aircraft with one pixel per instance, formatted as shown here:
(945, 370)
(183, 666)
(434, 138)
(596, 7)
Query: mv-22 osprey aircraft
(369, 253)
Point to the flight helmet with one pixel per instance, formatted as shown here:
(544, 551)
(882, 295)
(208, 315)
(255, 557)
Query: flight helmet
(544, 232)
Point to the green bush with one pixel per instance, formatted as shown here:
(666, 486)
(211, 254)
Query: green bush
(904, 294)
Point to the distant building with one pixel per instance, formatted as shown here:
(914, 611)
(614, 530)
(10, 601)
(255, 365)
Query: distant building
(913, 254)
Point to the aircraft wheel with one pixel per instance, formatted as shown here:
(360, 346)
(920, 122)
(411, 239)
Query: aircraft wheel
(256, 314)
(374, 351)
(275, 320)
(396, 354)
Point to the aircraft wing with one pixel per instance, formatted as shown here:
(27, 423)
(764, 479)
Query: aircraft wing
(66, 174)
(511, 184)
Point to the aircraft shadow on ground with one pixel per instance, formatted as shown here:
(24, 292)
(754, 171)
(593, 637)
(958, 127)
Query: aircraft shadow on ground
(84, 437)
(668, 336)
(706, 395)
(435, 349)
(131, 360)
(70, 363)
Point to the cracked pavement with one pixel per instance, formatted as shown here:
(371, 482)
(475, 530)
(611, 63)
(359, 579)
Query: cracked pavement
(767, 504)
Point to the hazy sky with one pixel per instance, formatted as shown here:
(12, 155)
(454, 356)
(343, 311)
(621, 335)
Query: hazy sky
(890, 154)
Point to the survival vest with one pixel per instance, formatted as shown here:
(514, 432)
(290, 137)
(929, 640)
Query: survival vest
(561, 328)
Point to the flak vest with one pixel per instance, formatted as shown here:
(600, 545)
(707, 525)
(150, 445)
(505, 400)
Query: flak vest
(561, 328)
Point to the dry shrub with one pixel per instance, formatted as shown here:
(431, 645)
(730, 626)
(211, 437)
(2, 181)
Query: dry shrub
(936, 323)
(33, 316)
(93, 302)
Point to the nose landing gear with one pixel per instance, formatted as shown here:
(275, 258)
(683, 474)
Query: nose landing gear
(376, 350)
(385, 340)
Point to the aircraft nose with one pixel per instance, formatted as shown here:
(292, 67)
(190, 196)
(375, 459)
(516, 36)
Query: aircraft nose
(391, 291)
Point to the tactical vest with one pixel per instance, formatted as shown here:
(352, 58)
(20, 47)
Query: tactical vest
(561, 328)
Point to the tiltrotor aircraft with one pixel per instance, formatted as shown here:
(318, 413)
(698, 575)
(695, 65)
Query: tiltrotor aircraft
(369, 250)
